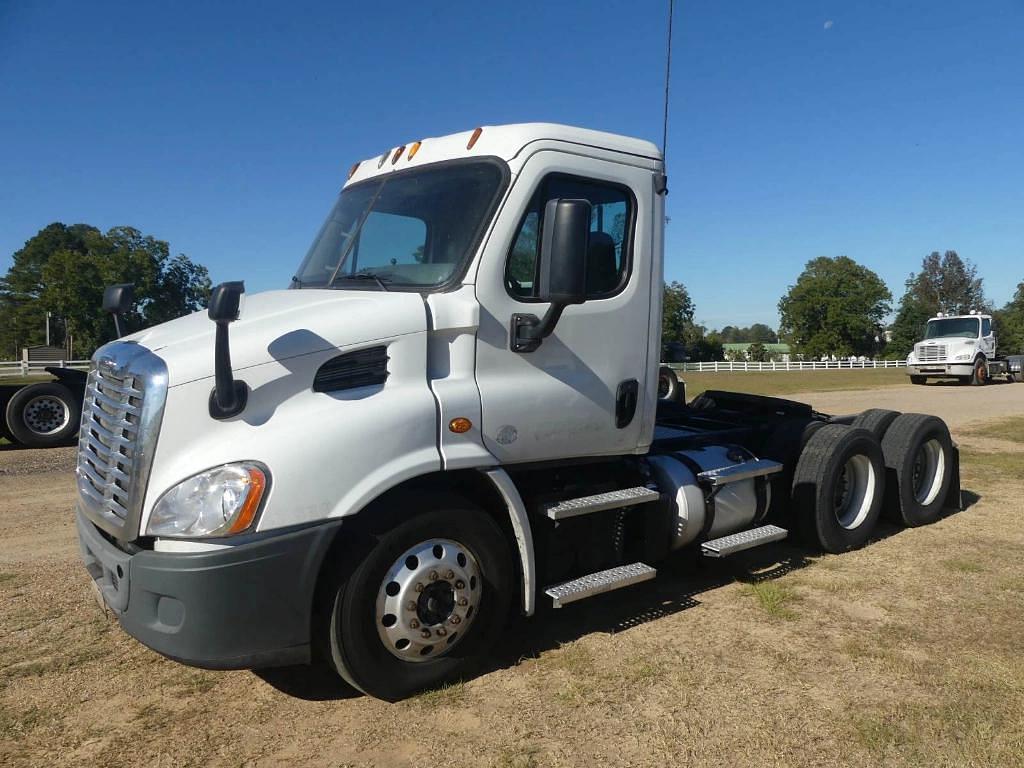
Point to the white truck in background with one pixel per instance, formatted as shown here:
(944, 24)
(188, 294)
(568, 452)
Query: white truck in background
(452, 414)
(961, 347)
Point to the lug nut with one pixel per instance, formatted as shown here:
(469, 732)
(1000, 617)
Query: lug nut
(463, 601)
(414, 624)
(433, 575)
(460, 584)
(425, 634)
(418, 587)
(450, 575)
(455, 620)
(441, 632)
(411, 605)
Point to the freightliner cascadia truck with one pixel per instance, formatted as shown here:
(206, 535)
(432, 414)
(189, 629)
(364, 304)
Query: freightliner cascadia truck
(450, 416)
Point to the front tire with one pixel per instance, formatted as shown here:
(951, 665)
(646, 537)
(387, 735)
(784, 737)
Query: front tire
(979, 376)
(44, 415)
(424, 606)
(838, 488)
(918, 379)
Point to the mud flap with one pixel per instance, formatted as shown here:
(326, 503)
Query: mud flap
(954, 498)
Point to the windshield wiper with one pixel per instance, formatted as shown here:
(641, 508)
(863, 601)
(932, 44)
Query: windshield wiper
(365, 276)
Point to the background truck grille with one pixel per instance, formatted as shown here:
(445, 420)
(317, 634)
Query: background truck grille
(931, 354)
(121, 415)
(107, 441)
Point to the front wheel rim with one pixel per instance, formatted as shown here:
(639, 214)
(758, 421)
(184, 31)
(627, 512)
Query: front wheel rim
(428, 599)
(928, 472)
(855, 492)
(46, 415)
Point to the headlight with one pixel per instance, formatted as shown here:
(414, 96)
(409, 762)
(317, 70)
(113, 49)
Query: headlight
(217, 502)
(963, 356)
(910, 359)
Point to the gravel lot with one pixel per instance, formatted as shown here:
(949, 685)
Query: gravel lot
(907, 652)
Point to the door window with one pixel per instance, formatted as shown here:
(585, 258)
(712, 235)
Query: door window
(986, 326)
(611, 234)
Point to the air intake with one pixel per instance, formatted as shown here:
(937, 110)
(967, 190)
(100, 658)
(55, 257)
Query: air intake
(364, 368)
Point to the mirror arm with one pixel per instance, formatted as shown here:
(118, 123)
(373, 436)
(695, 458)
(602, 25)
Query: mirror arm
(528, 331)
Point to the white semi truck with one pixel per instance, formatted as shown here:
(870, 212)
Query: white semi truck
(451, 414)
(961, 347)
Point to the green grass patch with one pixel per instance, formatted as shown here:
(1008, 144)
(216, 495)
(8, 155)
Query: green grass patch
(7, 578)
(780, 383)
(774, 599)
(1008, 464)
(445, 696)
(1010, 428)
(962, 566)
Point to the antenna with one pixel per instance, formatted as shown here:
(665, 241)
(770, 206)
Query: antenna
(668, 72)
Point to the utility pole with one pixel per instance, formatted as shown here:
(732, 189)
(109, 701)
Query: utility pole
(47, 328)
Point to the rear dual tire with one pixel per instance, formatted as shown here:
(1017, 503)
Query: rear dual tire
(919, 460)
(44, 415)
(838, 488)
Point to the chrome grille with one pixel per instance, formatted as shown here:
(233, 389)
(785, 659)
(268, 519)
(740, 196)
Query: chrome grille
(931, 353)
(107, 440)
(121, 413)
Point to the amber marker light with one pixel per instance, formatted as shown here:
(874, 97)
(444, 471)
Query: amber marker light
(257, 484)
(352, 170)
(398, 154)
(474, 137)
(460, 425)
(413, 150)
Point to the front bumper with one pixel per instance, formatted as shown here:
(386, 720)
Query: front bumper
(940, 369)
(241, 607)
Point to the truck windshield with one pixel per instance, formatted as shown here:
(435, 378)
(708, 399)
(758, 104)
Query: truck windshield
(949, 327)
(412, 228)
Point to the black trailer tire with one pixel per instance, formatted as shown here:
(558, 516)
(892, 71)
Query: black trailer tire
(838, 488)
(918, 455)
(669, 386)
(979, 376)
(361, 621)
(44, 415)
(875, 421)
(918, 379)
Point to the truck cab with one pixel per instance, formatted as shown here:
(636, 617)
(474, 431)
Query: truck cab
(960, 347)
(450, 413)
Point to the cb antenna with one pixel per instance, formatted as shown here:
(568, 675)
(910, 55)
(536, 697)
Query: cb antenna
(668, 73)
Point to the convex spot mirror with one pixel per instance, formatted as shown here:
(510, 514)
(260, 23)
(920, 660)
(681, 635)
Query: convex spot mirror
(118, 298)
(225, 301)
(563, 252)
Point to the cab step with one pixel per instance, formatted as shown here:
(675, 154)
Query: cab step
(737, 542)
(599, 582)
(626, 497)
(737, 472)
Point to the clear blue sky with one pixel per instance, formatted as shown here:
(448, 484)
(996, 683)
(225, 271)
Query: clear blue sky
(879, 130)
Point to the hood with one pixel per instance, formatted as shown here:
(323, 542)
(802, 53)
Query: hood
(279, 325)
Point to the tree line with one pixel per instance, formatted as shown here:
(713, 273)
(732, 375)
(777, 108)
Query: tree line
(63, 270)
(838, 307)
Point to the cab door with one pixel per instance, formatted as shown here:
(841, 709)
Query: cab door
(583, 391)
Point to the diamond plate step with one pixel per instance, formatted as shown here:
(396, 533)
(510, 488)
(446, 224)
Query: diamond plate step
(627, 497)
(598, 583)
(736, 472)
(737, 542)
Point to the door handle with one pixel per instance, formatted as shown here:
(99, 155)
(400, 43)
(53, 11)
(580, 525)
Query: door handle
(625, 402)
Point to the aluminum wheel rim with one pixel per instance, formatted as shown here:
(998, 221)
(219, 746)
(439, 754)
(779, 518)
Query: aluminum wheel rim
(428, 599)
(46, 415)
(928, 472)
(855, 492)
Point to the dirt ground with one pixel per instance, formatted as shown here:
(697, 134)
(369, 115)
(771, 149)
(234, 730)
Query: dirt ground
(907, 652)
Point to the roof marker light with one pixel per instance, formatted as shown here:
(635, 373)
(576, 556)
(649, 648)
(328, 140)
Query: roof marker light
(352, 170)
(383, 158)
(474, 137)
(413, 150)
(398, 154)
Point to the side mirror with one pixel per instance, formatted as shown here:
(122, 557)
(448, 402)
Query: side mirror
(229, 396)
(117, 300)
(562, 276)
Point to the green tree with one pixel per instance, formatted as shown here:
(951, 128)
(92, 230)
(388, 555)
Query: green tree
(835, 307)
(64, 270)
(757, 352)
(946, 283)
(1009, 324)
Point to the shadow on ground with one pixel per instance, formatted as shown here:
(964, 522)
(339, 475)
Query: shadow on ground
(681, 581)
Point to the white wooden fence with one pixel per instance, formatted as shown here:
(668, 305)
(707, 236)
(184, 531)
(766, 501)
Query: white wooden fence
(22, 368)
(810, 365)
